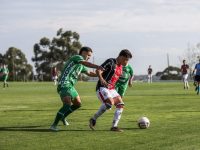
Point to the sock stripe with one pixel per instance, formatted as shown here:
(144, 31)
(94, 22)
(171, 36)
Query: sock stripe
(61, 113)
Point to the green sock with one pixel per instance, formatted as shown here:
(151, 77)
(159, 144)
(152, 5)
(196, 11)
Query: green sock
(71, 109)
(60, 113)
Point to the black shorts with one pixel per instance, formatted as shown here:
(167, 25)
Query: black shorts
(197, 78)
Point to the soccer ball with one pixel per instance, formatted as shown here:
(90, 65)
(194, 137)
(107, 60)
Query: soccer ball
(143, 122)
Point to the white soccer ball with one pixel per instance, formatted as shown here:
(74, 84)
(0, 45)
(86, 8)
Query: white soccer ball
(143, 122)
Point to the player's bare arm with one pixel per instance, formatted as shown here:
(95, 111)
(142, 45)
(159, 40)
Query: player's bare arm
(91, 74)
(90, 65)
(130, 82)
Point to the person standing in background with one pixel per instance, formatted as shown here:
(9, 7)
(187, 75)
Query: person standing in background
(149, 71)
(184, 71)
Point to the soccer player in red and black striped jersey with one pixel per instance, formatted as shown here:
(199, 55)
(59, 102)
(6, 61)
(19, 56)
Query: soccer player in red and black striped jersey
(149, 71)
(184, 70)
(106, 88)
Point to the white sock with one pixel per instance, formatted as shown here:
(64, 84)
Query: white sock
(187, 84)
(101, 110)
(117, 116)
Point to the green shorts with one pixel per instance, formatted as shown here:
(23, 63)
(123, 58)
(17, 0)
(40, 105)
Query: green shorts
(121, 89)
(67, 91)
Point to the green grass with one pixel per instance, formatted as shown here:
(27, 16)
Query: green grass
(28, 109)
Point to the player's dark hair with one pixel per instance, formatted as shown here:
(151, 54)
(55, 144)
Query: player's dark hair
(126, 53)
(86, 49)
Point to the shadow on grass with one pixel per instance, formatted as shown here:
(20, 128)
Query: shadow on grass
(87, 109)
(21, 110)
(187, 111)
(161, 95)
(131, 129)
(26, 128)
(9, 110)
(35, 129)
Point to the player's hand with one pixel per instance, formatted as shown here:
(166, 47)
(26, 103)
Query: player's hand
(130, 84)
(103, 82)
(100, 68)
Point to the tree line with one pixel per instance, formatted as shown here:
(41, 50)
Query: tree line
(49, 53)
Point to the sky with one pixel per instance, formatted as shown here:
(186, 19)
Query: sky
(150, 29)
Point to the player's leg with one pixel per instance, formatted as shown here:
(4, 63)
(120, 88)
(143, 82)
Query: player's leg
(55, 80)
(186, 80)
(76, 103)
(60, 114)
(183, 78)
(148, 78)
(198, 84)
(105, 97)
(118, 112)
(65, 94)
(4, 81)
(102, 109)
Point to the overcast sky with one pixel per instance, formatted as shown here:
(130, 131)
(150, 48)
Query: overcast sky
(148, 28)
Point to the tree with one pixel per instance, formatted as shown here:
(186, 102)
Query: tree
(18, 67)
(50, 53)
(1, 58)
(170, 73)
(191, 55)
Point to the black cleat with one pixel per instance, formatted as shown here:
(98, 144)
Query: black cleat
(92, 123)
(116, 129)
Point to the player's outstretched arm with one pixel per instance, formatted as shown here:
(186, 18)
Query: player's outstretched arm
(90, 65)
(91, 74)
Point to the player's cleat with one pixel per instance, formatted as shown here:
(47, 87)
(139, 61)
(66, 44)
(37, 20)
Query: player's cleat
(92, 123)
(53, 128)
(65, 122)
(116, 129)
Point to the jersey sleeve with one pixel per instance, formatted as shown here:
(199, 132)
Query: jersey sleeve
(106, 65)
(195, 66)
(84, 70)
(131, 71)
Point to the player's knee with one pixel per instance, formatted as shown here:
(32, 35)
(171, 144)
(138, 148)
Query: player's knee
(108, 105)
(120, 105)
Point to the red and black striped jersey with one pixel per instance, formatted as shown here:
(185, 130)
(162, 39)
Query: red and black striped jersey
(150, 70)
(184, 68)
(111, 74)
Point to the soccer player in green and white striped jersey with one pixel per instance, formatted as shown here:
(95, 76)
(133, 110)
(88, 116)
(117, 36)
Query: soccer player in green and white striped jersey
(4, 75)
(73, 67)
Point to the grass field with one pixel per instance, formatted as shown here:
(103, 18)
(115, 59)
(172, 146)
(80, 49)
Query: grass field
(28, 109)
